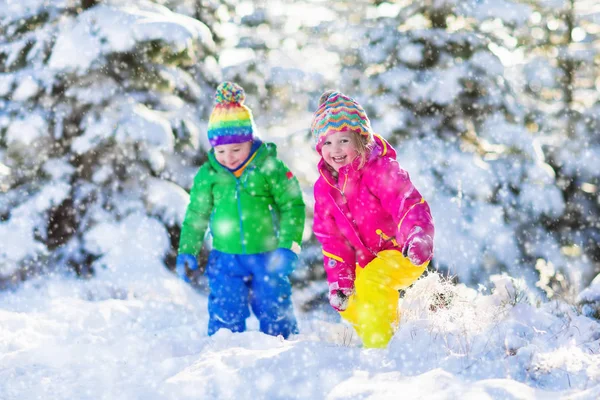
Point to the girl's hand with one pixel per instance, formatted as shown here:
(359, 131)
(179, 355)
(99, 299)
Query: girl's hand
(418, 247)
(338, 298)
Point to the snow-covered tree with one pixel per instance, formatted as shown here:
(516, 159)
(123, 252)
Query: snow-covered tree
(426, 73)
(559, 49)
(101, 105)
(271, 51)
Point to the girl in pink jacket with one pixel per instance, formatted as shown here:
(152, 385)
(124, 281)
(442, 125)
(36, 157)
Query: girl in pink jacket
(375, 228)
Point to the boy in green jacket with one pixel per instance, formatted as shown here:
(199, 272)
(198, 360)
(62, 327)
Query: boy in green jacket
(253, 206)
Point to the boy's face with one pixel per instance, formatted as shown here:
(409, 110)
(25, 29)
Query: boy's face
(339, 149)
(232, 155)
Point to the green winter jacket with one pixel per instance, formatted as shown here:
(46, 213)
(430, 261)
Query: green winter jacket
(257, 212)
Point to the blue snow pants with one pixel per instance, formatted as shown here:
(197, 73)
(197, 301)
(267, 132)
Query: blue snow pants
(236, 280)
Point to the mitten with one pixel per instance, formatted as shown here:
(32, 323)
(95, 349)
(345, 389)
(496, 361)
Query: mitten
(338, 297)
(185, 262)
(418, 247)
(282, 261)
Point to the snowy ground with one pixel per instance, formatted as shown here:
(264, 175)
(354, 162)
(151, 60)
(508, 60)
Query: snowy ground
(145, 339)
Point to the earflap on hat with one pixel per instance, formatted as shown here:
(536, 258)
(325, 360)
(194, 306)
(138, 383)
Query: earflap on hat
(339, 113)
(230, 121)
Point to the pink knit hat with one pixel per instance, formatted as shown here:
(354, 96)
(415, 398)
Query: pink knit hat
(338, 113)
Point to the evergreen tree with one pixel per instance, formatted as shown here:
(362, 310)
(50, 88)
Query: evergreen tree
(559, 83)
(101, 105)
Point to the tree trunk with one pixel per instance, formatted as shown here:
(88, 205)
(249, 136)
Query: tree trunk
(85, 4)
(568, 66)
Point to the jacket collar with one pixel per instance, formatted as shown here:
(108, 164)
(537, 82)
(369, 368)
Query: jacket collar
(262, 151)
(255, 146)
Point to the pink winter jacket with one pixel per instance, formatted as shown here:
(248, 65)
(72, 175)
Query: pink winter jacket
(366, 211)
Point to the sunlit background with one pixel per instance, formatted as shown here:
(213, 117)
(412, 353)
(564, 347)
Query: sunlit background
(493, 107)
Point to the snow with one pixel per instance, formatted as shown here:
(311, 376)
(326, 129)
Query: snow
(232, 57)
(167, 200)
(146, 338)
(542, 199)
(411, 53)
(592, 293)
(128, 122)
(508, 11)
(6, 83)
(584, 164)
(439, 86)
(106, 29)
(95, 92)
(130, 250)
(140, 124)
(27, 88)
(4, 170)
(27, 131)
(397, 78)
(487, 62)
(17, 243)
(13, 9)
(18, 233)
(539, 74)
(472, 180)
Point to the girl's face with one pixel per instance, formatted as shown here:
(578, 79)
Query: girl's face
(232, 155)
(339, 149)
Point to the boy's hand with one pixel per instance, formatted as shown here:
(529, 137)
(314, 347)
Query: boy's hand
(185, 262)
(338, 298)
(418, 247)
(282, 261)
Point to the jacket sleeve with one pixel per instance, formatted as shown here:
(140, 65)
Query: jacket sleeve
(198, 213)
(398, 196)
(287, 195)
(339, 257)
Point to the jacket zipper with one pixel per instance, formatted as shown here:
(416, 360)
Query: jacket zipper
(354, 224)
(239, 204)
(343, 188)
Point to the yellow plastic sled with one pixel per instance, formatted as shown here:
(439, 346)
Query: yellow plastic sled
(373, 308)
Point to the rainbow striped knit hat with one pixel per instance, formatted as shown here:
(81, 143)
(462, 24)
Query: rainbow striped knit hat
(230, 121)
(339, 113)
